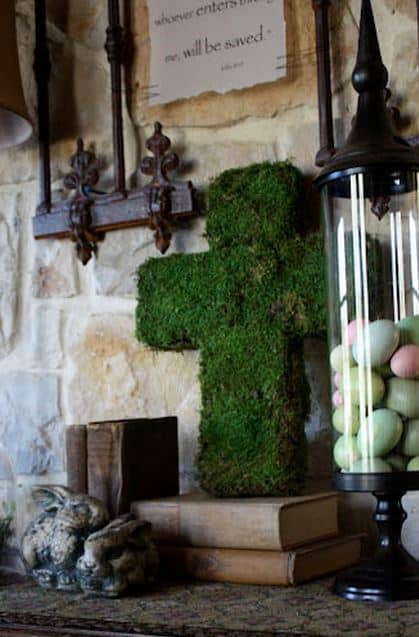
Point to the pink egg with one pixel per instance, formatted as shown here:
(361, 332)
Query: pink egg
(353, 329)
(337, 399)
(336, 379)
(405, 362)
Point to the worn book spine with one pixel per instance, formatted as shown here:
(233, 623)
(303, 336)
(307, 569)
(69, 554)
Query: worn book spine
(76, 457)
(268, 568)
(277, 524)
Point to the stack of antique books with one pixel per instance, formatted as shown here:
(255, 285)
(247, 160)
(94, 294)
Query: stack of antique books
(272, 541)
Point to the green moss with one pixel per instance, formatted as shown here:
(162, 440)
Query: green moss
(246, 304)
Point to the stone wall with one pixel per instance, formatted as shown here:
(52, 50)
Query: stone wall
(67, 348)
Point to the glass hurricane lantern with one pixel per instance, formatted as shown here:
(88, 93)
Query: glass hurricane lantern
(370, 200)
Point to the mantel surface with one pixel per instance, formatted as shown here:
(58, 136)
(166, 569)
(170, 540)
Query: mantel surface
(203, 610)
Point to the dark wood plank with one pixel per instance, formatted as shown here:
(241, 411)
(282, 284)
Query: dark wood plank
(113, 212)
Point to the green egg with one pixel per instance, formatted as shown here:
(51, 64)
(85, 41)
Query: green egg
(413, 464)
(371, 465)
(384, 371)
(377, 385)
(345, 452)
(409, 330)
(351, 427)
(337, 357)
(397, 463)
(403, 397)
(386, 431)
(384, 339)
(410, 440)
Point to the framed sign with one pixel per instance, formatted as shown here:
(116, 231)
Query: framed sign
(214, 45)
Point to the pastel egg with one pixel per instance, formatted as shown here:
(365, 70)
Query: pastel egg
(348, 425)
(405, 362)
(410, 440)
(379, 438)
(359, 377)
(337, 399)
(338, 356)
(409, 330)
(353, 329)
(383, 339)
(403, 397)
(413, 464)
(336, 379)
(371, 465)
(396, 462)
(345, 452)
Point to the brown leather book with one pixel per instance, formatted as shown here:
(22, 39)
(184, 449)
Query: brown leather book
(131, 459)
(244, 523)
(271, 568)
(76, 454)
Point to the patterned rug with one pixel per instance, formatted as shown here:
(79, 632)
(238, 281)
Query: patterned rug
(212, 610)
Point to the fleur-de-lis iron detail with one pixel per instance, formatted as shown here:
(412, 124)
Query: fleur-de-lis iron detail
(86, 213)
(84, 175)
(159, 188)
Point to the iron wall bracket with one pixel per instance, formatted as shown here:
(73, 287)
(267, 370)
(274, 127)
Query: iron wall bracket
(87, 215)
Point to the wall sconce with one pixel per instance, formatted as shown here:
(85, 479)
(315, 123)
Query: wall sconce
(15, 127)
(370, 198)
(87, 215)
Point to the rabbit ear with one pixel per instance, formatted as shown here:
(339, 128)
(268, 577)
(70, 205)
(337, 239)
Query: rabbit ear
(50, 497)
(122, 530)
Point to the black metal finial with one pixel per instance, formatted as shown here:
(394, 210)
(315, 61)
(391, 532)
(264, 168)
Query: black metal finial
(369, 74)
(373, 146)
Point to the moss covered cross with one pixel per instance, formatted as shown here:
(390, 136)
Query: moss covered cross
(247, 304)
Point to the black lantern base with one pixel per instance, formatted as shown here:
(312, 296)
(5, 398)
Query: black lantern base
(392, 573)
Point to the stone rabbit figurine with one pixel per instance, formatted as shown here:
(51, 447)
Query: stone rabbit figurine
(118, 557)
(54, 540)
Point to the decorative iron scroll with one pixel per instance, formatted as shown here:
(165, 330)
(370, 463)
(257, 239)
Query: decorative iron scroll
(84, 218)
(83, 176)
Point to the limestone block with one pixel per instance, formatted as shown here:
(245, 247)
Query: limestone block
(30, 423)
(19, 164)
(399, 8)
(10, 230)
(209, 160)
(81, 104)
(123, 251)
(54, 272)
(410, 529)
(6, 470)
(397, 32)
(46, 348)
(212, 109)
(115, 377)
(403, 79)
(299, 141)
(84, 22)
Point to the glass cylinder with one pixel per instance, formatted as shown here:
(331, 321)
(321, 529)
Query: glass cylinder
(372, 244)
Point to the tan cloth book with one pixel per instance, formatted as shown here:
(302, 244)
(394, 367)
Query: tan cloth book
(247, 523)
(271, 568)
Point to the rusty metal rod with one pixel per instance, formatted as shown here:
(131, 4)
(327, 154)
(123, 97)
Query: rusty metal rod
(114, 47)
(327, 145)
(42, 69)
(417, 6)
